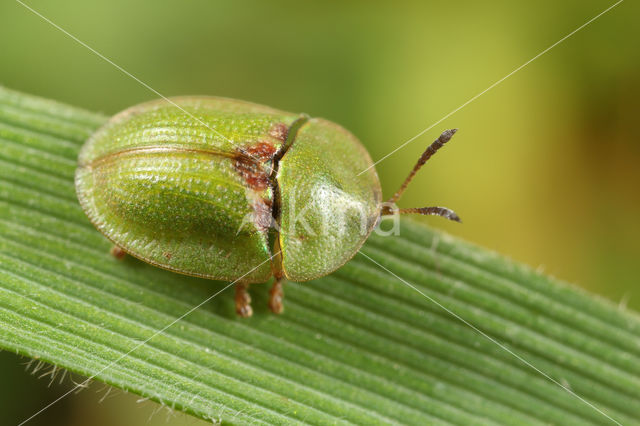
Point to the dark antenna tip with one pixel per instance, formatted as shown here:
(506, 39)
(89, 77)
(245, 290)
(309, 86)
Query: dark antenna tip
(447, 135)
(454, 217)
(430, 211)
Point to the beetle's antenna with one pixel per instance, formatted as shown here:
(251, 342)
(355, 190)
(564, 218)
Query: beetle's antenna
(428, 211)
(435, 146)
(435, 211)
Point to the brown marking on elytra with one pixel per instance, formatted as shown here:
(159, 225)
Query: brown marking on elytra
(260, 151)
(167, 255)
(253, 175)
(249, 163)
(279, 131)
(262, 210)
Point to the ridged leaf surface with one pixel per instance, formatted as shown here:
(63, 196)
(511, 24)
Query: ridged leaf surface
(359, 346)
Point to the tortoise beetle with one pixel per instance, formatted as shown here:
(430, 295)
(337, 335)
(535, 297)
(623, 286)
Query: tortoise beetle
(229, 190)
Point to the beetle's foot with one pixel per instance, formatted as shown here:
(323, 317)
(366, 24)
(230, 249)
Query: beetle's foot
(276, 296)
(243, 300)
(118, 253)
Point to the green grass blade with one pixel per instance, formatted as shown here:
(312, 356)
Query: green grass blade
(358, 346)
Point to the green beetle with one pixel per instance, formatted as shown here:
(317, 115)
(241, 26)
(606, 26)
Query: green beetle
(230, 190)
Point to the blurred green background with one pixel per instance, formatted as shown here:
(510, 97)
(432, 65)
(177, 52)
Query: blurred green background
(545, 168)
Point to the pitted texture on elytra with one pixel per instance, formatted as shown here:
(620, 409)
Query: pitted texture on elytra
(212, 124)
(166, 187)
(196, 192)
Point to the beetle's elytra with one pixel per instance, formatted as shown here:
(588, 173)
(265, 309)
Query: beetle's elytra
(230, 190)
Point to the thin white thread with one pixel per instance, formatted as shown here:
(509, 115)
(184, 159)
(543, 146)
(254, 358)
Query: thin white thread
(491, 339)
(492, 86)
(144, 342)
(383, 158)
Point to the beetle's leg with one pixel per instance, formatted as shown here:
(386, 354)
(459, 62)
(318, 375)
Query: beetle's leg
(276, 296)
(243, 300)
(117, 252)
